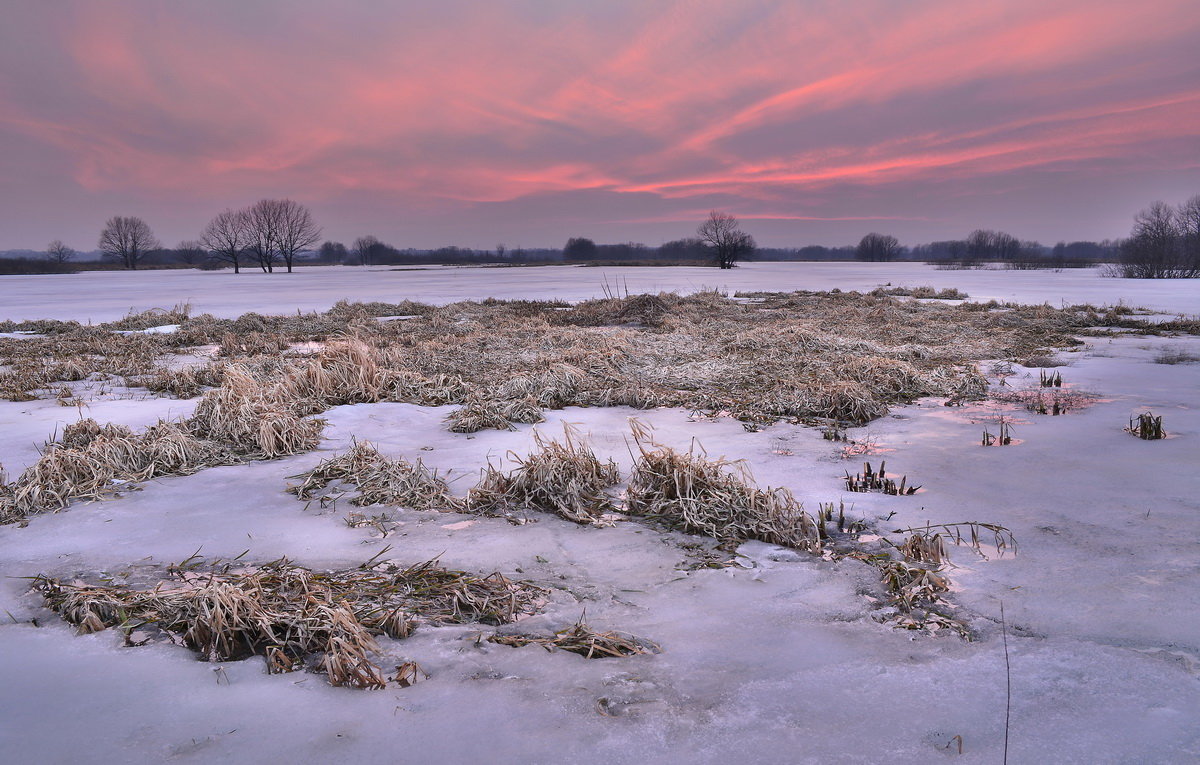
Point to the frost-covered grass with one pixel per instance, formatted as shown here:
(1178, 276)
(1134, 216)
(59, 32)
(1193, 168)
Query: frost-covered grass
(767, 652)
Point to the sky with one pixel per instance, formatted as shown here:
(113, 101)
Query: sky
(527, 122)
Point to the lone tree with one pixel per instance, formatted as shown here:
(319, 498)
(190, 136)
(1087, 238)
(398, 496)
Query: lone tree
(227, 236)
(878, 247)
(126, 240)
(191, 253)
(580, 248)
(262, 224)
(1162, 243)
(1187, 219)
(984, 244)
(332, 252)
(57, 252)
(365, 248)
(296, 230)
(722, 233)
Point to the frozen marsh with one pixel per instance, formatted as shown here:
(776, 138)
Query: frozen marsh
(769, 653)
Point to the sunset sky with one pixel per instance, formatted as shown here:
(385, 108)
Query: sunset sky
(473, 123)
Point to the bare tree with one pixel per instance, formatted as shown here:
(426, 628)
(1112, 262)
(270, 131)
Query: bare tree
(364, 247)
(878, 247)
(126, 240)
(722, 233)
(1188, 221)
(191, 253)
(296, 231)
(1155, 247)
(332, 252)
(57, 252)
(263, 224)
(227, 236)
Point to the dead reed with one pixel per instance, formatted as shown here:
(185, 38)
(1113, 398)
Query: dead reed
(581, 639)
(476, 416)
(1147, 427)
(562, 477)
(689, 491)
(1003, 438)
(292, 616)
(378, 480)
(94, 462)
(869, 480)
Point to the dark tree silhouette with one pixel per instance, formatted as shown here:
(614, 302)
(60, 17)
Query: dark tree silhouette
(332, 252)
(1188, 222)
(262, 223)
(1156, 247)
(364, 249)
(983, 244)
(227, 236)
(580, 248)
(126, 240)
(878, 247)
(191, 253)
(729, 243)
(295, 231)
(57, 252)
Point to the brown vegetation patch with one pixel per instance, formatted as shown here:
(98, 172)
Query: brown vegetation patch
(378, 480)
(292, 616)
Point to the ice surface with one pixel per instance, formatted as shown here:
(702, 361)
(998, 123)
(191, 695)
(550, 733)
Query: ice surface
(108, 295)
(774, 660)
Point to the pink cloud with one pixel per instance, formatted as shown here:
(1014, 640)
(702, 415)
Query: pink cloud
(467, 104)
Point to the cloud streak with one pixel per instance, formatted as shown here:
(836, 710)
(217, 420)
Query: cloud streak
(426, 123)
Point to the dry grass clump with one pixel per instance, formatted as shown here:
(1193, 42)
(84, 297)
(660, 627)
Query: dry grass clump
(561, 477)
(189, 382)
(925, 293)
(347, 371)
(915, 581)
(476, 416)
(523, 410)
(180, 383)
(1176, 356)
(433, 390)
(94, 461)
(18, 383)
(39, 326)
(78, 435)
(292, 616)
(583, 640)
(553, 388)
(688, 491)
(379, 480)
(252, 344)
(155, 317)
(255, 419)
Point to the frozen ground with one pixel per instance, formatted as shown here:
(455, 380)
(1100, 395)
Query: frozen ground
(775, 660)
(108, 295)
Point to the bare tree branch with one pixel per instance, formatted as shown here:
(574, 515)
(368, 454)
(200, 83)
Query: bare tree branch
(878, 247)
(57, 252)
(722, 233)
(126, 239)
(227, 236)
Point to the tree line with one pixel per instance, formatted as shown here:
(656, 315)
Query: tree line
(1163, 243)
